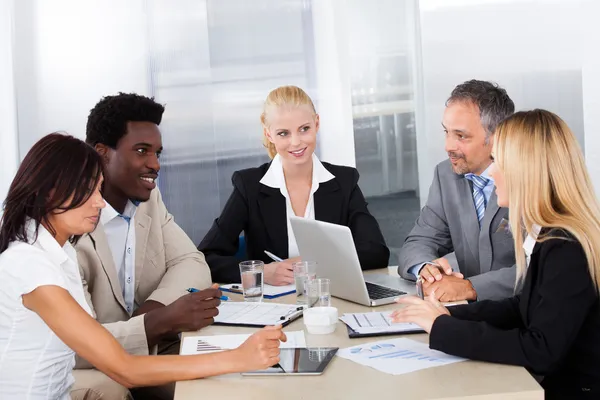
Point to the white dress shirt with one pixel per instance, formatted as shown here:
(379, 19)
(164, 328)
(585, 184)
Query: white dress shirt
(530, 242)
(120, 233)
(34, 362)
(276, 179)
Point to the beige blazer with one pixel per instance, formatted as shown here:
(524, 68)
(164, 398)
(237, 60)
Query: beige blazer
(166, 264)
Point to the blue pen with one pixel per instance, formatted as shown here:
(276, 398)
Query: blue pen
(192, 290)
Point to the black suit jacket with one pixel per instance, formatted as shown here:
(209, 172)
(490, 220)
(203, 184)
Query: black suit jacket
(260, 212)
(552, 328)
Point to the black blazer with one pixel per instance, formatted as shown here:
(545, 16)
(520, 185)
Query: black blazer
(552, 328)
(260, 212)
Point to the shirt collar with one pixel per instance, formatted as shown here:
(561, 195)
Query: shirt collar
(109, 213)
(485, 174)
(274, 177)
(531, 240)
(46, 242)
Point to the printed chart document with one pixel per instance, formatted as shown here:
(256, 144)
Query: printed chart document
(210, 344)
(377, 322)
(397, 356)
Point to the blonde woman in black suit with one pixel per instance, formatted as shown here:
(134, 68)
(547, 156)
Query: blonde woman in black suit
(296, 183)
(552, 326)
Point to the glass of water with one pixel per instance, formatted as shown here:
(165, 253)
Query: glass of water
(303, 271)
(319, 294)
(252, 273)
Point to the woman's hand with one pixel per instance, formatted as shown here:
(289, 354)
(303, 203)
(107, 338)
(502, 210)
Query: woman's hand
(420, 312)
(261, 350)
(280, 273)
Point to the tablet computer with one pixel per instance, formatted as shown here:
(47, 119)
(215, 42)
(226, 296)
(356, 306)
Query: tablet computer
(299, 361)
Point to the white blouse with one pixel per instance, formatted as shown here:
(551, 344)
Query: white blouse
(275, 178)
(34, 362)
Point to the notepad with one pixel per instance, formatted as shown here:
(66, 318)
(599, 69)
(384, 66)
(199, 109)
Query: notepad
(269, 291)
(257, 314)
(209, 344)
(377, 323)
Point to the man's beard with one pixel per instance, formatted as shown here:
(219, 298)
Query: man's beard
(461, 166)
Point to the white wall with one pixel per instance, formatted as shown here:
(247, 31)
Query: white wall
(69, 54)
(8, 121)
(336, 142)
(591, 91)
(540, 51)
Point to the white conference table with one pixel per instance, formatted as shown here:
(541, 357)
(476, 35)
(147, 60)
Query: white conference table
(344, 379)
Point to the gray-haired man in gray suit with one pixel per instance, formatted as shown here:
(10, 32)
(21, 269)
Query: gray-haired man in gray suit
(461, 227)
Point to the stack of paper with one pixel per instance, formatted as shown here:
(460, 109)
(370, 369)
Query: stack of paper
(397, 356)
(210, 344)
(376, 322)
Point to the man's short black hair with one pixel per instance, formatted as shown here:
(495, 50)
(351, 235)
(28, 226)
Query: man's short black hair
(107, 122)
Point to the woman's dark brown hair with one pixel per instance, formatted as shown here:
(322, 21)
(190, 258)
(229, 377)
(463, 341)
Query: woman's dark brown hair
(58, 174)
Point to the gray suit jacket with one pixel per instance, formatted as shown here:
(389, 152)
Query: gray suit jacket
(448, 223)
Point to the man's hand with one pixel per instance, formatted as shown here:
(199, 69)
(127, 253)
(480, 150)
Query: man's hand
(436, 270)
(451, 288)
(195, 310)
(280, 273)
(190, 312)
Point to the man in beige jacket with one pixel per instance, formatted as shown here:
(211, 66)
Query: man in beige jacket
(138, 263)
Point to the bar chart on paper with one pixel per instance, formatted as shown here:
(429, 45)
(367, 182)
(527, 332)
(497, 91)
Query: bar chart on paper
(397, 356)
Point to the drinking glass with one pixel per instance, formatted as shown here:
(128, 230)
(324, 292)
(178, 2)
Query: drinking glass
(252, 273)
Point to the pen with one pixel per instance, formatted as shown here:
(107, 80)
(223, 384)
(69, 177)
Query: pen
(283, 317)
(192, 290)
(273, 256)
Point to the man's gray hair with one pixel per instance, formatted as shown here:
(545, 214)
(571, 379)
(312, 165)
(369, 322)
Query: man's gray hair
(493, 102)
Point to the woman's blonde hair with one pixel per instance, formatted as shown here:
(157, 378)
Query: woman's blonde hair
(547, 184)
(290, 96)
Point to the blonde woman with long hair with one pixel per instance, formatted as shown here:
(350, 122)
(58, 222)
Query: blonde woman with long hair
(552, 327)
(295, 182)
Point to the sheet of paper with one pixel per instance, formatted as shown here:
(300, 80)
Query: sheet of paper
(376, 322)
(251, 313)
(210, 344)
(397, 356)
(276, 290)
(268, 290)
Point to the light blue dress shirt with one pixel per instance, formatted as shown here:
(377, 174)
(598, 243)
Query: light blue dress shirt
(120, 234)
(487, 193)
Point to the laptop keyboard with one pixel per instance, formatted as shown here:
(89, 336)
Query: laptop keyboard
(377, 292)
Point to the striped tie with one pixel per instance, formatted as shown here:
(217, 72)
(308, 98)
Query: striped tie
(478, 197)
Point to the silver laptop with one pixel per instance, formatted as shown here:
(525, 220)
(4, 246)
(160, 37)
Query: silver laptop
(332, 247)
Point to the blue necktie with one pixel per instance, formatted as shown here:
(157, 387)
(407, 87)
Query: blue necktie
(478, 197)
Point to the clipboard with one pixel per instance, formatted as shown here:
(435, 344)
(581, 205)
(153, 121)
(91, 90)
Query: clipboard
(270, 292)
(371, 324)
(352, 334)
(257, 315)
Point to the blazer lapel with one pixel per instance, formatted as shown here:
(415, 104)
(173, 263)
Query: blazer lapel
(142, 229)
(528, 281)
(328, 201)
(106, 259)
(485, 241)
(271, 204)
(471, 225)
